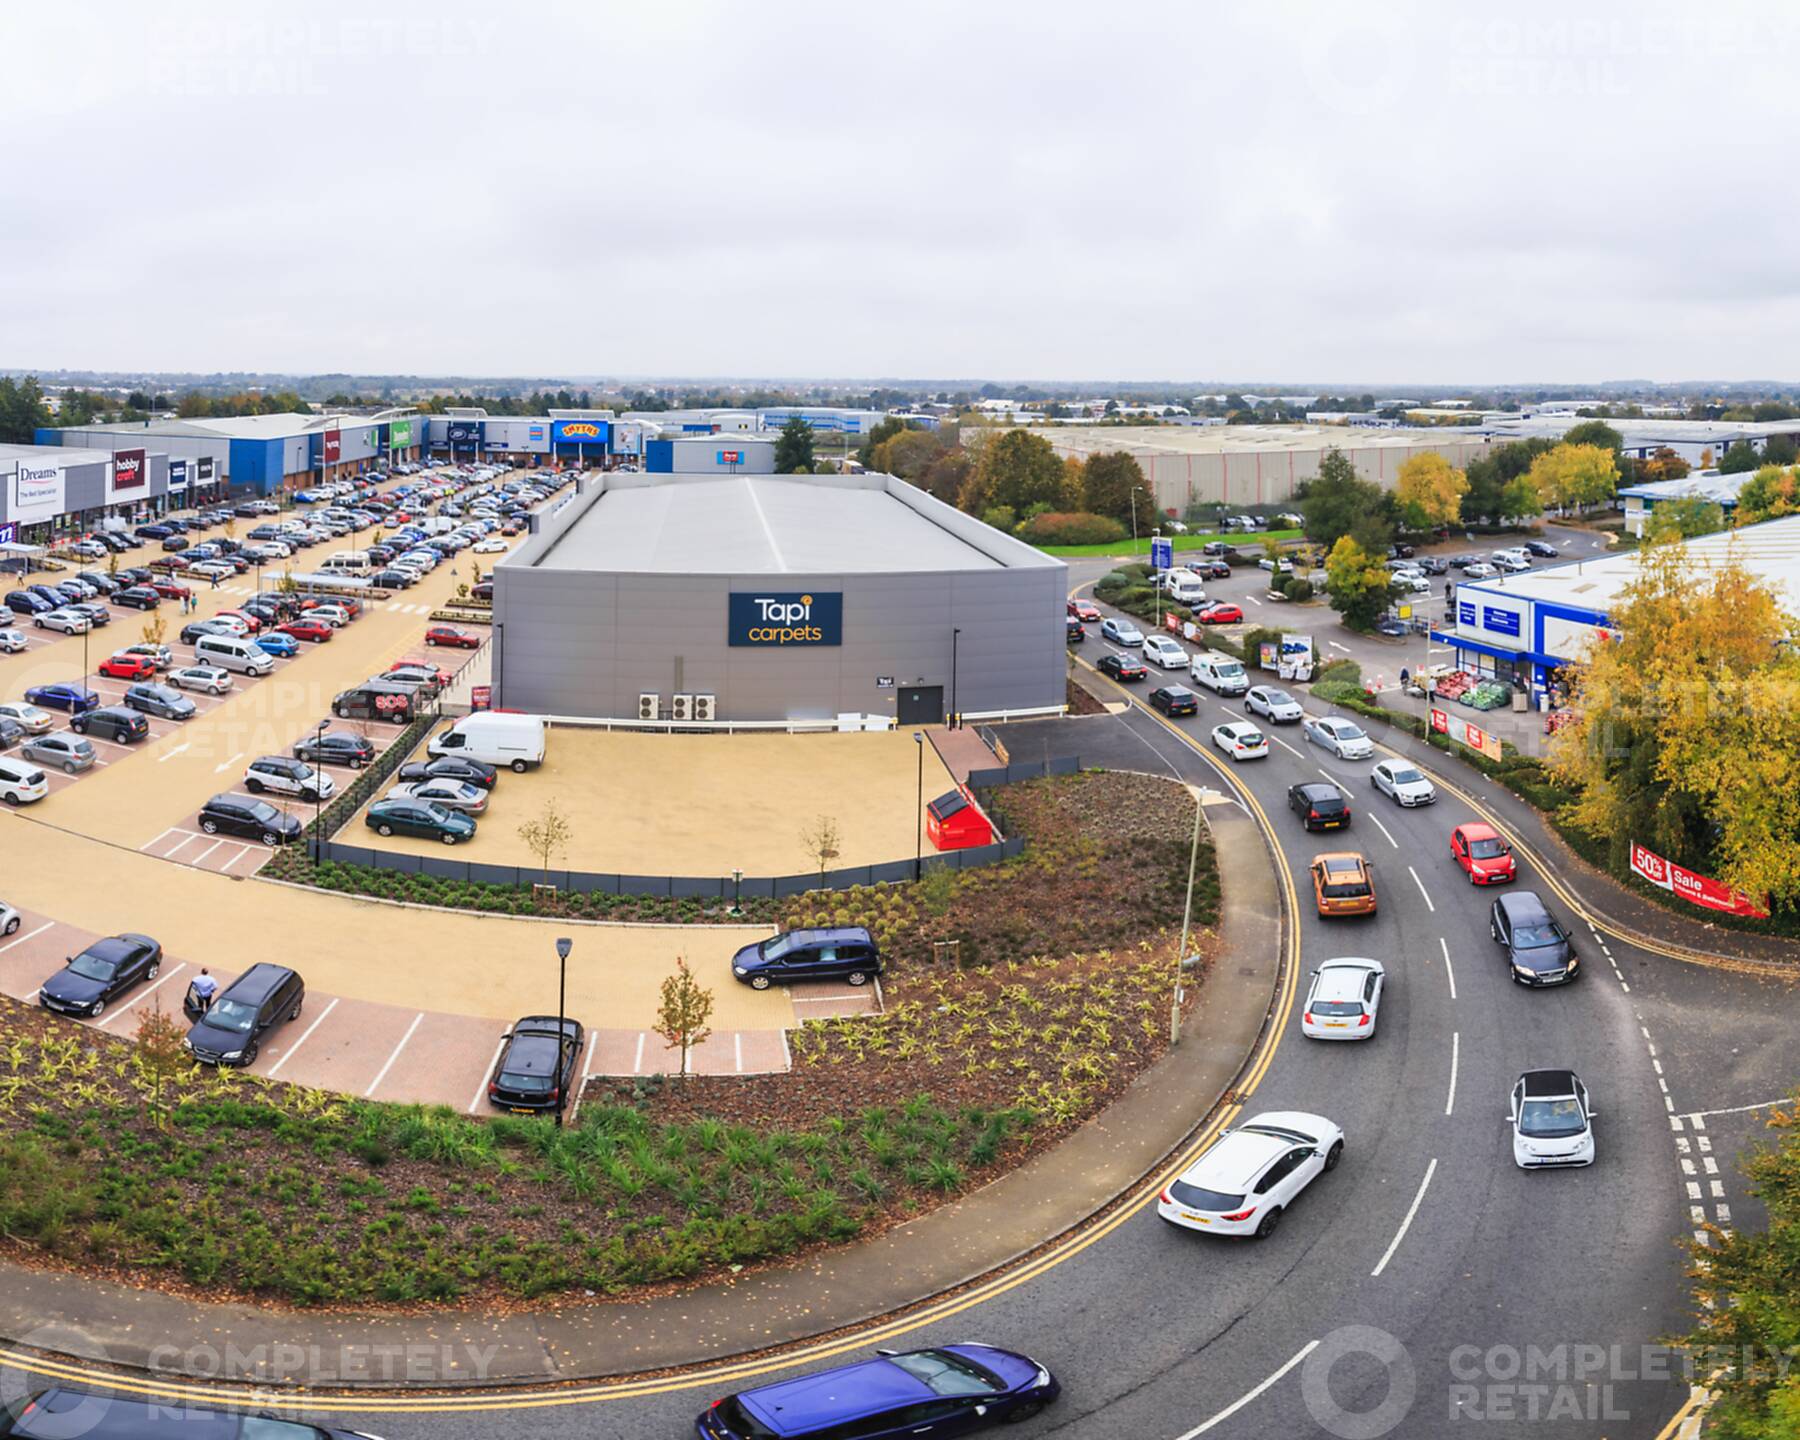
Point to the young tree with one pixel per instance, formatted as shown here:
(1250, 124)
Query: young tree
(161, 1059)
(1358, 583)
(794, 448)
(685, 1007)
(1767, 495)
(1430, 491)
(822, 842)
(548, 835)
(155, 627)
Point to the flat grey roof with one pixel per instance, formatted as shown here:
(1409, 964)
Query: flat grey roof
(758, 524)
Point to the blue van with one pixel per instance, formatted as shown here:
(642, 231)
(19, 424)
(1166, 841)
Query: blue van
(846, 953)
(951, 1390)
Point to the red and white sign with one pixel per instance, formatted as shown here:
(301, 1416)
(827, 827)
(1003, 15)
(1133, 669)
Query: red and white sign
(1708, 894)
(1440, 722)
(334, 446)
(480, 697)
(130, 470)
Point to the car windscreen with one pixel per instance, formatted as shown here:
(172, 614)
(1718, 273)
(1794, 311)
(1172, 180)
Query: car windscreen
(1279, 697)
(1336, 1007)
(1228, 672)
(1196, 1198)
(90, 966)
(1346, 731)
(228, 1014)
(1407, 777)
(947, 1373)
(1547, 1119)
(263, 813)
(1536, 935)
(774, 949)
(1486, 849)
(740, 1421)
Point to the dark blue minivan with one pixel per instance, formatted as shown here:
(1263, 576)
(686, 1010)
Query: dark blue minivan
(847, 953)
(951, 1390)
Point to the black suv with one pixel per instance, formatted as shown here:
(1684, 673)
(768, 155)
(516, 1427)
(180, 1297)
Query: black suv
(230, 1030)
(138, 597)
(530, 1075)
(112, 722)
(1319, 806)
(252, 819)
(847, 953)
(102, 972)
(1538, 950)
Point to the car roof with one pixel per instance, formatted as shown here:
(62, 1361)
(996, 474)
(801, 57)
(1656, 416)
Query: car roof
(1478, 830)
(827, 934)
(1522, 905)
(846, 1393)
(1319, 790)
(1342, 862)
(1549, 1084)
(257, 983)
(1234, 1160)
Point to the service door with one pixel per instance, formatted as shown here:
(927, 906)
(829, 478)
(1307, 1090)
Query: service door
(921, 705)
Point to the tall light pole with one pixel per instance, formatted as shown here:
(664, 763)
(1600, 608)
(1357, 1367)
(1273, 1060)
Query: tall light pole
(563, 947)
(919, 814)
(1134, 495)
(318, 797)
(1187, 915)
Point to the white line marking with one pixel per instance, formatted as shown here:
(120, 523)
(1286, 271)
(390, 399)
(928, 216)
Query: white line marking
(637, 1061)
(204, 853)
(481, 1089)
(171, 754)
(1421, 884)
(587, 1064)
(1406, 1224)
(243, 850)
(1693, 1189)
(1698, 1115)
(1248, 1396)
(393, 1055)
(294, 1049)
(1332, 778)
(1717, 1187)
(1445, 946)
(220, 769)
(1254, 601)
(1287, 747)
(1455, 1056)
(737, 1046)
(1708, 1164)
(31, 934)
(167, 976)
(1384, 830)
(1335, 646)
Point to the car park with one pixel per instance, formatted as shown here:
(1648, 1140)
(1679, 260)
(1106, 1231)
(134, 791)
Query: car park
(1405, 782)
(1120, 667)
(419, 819)
(1246, 1179)
(101, 973)
(284, 775)
(248, 818)
(1343, 884)
(451, 794)
(1552, 1120)
(163, 701)
(231, 1030)
(1343, 1000)
(537, 1066)
(335, 747)
(1241, 740)
(208, 679)
(1319, 806)
(1537, 949)
(73, 698)
(848, 953)
(21, 781)
(451, 767)
(125, 666)
(69, 753)
(1484, 857)
(1343, 738)
(1161, 651)
(32, 719)
(1274, 705)
(25, 602)
(1121, 632)
(1174, 700)
(451, 636)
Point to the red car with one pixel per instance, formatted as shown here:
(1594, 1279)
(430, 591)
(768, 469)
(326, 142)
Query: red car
(1084, 610)
(128, 667)
(1219, 613)
(1478, 848)
(250, 620)
(450, 635)
(169, 589)
(305, 630)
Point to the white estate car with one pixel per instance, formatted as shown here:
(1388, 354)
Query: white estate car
(1161, 650)
(1241, 740)
(13, 641)
(1246, 1178)
(1406, 783)
(1273, 704)
(1344, 999)
(1552, 1121)
(1343, 738)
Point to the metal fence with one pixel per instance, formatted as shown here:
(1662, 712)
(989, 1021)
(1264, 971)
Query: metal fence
(1024, 770)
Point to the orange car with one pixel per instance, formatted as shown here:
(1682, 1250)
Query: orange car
(1343, 884)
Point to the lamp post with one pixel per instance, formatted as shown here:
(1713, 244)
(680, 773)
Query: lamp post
(737, 889)
(919, 814)
(84, 653)
(563, 947)
(955, 714)
(1187, 915)
(318, 797)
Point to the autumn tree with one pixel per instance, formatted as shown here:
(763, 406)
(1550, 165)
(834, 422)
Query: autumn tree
(1767, 495)
(907, 453)
(1107, 485)
(1017, 470)
(1337, 501)
(159, 1062)
(1574, 476)
(1430, 491)
(1662, 463)
(1684, 519)
(1358, 583)
(683, 1010)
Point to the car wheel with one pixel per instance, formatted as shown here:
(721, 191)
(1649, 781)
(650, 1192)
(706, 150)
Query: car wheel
(759, 982)
(71, 768)
(271, 839)
(98, 1010)
(255, 787)
(518, 767)
(856, 977)
(1333, 1155)
(12, 925)
(343, 712)
(211, 827)
(251, 1051)
(384, 830)
(1269, 1224)
(295, 1013)
(449, 839)
(12, 798)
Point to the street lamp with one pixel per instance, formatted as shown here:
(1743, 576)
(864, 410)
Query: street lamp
(737, 889)
(563, 947)
(1187, 915)
(955, 714)
(318, 796)
(919, 814)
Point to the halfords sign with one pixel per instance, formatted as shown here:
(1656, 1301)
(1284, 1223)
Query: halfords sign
(787, 618)
(579, 432)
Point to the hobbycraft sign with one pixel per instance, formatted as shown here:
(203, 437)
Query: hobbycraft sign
(1708, 894)
(131, 471)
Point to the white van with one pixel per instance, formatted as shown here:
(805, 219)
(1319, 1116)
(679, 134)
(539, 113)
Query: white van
(229, 652)
(1184, 586)
(1221, 673)
(493, 738)
(21, 781)
(347, 562)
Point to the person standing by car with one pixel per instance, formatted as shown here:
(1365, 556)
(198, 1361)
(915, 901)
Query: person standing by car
(204, 987)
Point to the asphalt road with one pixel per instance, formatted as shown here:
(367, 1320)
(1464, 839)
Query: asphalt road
(1427, 1286)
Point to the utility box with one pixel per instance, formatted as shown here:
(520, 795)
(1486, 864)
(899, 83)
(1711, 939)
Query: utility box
(955, 822)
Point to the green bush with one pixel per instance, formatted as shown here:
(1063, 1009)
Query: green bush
(1255, 639)
(1071, 528)
(1299, 588)
(1347, 671)
(1111, 580)
(1338, 692)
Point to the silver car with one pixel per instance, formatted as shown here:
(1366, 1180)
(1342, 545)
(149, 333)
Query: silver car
(451, 794)
(32, 719)
(72, 753)
(13, 641)
(206, 678)
(69, 621)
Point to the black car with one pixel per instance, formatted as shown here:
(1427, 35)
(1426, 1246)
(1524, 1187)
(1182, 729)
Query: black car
(195, 629)
(1543, 549)
(105, 584)
(1463, 562)
(138, 597)
(1121, 667)
(137, 575)
(450, 767)
(336, 747)
(11, 732)
(102, 972)
(57, 1413)
(391, 579)
(250, 818)
(1433, 564)
(1538, 950)
(153, 532)
(163, 701)
(1400, 551)
(112, 722)
(1175, 700)
(846, 953)
(535, 1071)
(1076, 631)
(230, 1030)
(175, 542)
(1319, 806)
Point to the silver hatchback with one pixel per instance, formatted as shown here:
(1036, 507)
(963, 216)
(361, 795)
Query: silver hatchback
(72, 753)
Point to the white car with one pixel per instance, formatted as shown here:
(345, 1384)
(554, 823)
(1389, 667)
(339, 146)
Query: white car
(1273, 704)
(1120, 632)
(1241, 740)
(490, 547)
(1406, 783)
(1412, 582)
(229, 624)
(1552, 1121)
(1161, 650)
(1480, 570)
(32, 720)
(1289, 520)
(286, 776)
(1343, 738)
(89, 549)
(21, 783)
(451, 794)
(70, 622)
(208, 679)
(13, 641)
(1276, 566)
(1344, 999)
(213, 570)
(1246, 1178)
(9, 919)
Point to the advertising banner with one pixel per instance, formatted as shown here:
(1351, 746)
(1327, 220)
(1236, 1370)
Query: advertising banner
(131, 472)
(178, 476)
(537, 436)
(786, 618)
(728, 457)
(1500, 622)
(400, 434)
(1440, 721)
(9, 532)
(36, 491)
(1708, 894)
(334, 446)
(463, 432)
(579, 432)
(203, 470)
(481, 697)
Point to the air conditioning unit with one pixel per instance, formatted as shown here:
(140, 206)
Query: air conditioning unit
(682, 707)
(706, 707)
(649, 706)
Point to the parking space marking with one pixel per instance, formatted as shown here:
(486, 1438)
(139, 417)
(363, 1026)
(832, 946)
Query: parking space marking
(147, 991)
(1422, 890)
(394, 1055)
(637, 1063)
(294, 1049)
(201, 857)
(242, 851)
(587, 1061)
(29, 935)
(481, 1089)
(737, 1048)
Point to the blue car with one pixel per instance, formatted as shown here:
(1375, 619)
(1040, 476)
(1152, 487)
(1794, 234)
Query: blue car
(72, 698)
(952, 1390)
(24, 602)
(282, 647)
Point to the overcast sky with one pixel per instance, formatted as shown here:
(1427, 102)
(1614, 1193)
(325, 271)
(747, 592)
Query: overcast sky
(1357, 193)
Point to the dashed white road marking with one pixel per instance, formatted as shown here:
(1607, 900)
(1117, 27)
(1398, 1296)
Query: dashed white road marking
(1287, 747)
(1422, 890)
(1384, 830)
(1406, 1224)
(1445, 946)
(1455, 1055)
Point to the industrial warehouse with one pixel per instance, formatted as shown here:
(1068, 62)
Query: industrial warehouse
(857, 600)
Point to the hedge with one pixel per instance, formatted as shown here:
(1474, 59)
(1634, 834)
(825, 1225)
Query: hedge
(1065, 527)
(351, 798)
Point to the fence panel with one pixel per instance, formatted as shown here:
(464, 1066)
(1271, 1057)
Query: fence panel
(444, 868)
(697, 887)
(493, 874)
(645, 885)
(891, 872)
